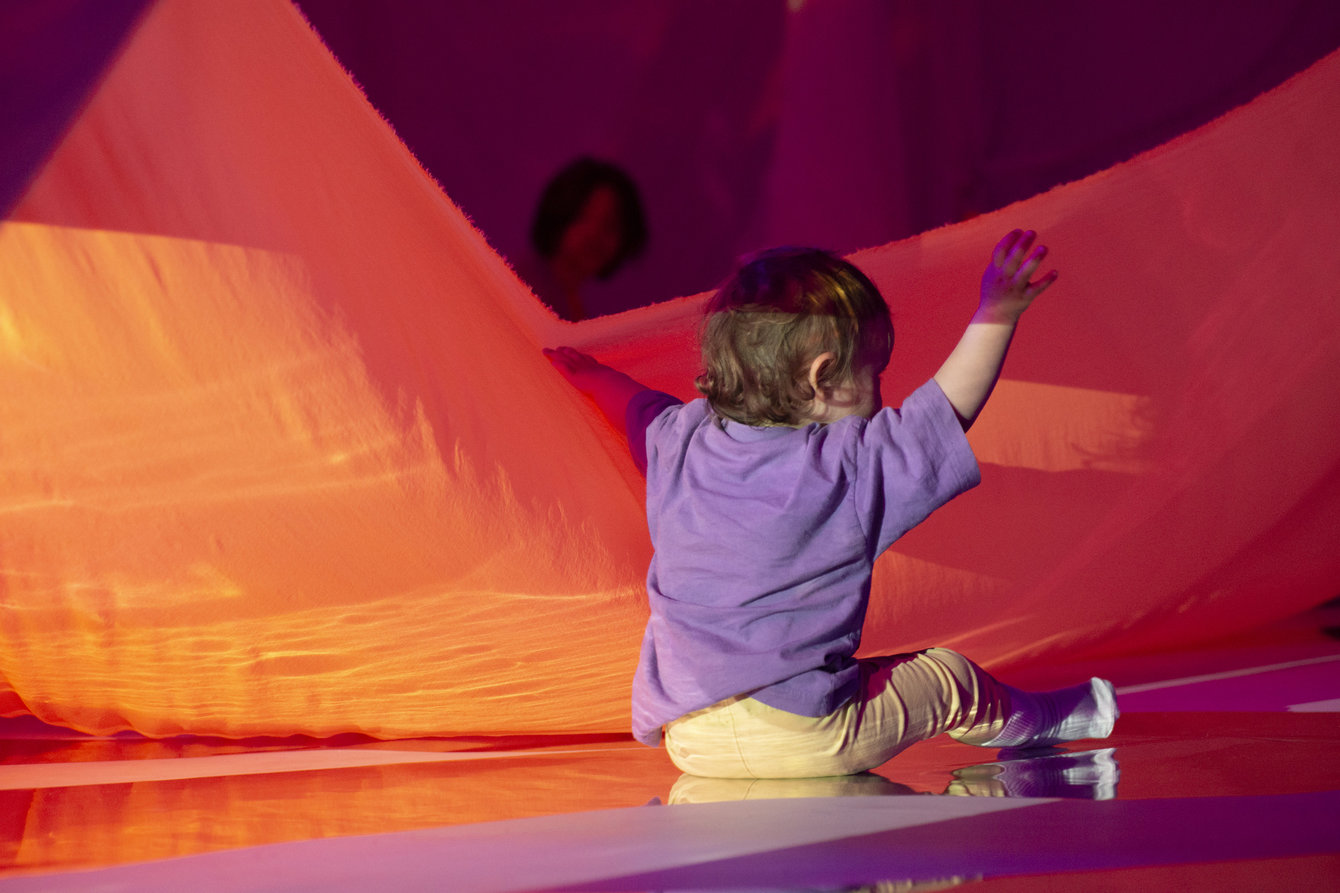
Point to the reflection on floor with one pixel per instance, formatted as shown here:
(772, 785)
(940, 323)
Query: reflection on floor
(1222, 774)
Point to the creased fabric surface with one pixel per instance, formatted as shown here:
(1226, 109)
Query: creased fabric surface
(280, 453)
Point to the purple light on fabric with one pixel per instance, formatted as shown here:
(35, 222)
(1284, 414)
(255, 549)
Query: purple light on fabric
(51, 58)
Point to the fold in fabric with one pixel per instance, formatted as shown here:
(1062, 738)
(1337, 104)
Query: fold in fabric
(281, 454)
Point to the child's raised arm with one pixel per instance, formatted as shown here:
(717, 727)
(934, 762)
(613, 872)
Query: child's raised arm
(609, 388)
(969, 374)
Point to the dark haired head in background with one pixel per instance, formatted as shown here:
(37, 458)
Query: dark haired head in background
(588, 223)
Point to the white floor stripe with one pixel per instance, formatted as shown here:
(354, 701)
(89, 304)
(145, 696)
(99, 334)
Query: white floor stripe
(1228, 674)
(1331, 706)
(64, 775)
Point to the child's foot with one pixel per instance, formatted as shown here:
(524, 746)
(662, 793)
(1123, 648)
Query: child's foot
(1038, 719)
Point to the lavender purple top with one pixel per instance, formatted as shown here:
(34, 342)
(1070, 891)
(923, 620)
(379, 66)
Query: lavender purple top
(765, 539)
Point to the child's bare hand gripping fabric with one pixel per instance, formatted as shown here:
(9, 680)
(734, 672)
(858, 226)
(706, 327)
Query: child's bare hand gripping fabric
(608, 387)
(969, 374)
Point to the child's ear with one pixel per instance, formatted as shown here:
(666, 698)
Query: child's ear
(817, 369)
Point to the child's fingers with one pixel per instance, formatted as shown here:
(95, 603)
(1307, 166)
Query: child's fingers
(1004, 247)
(1030, 266)
(1018, 251)
(1013, 264)
(560, 358)
(1036, 288)
(563, 353)
(569, 360)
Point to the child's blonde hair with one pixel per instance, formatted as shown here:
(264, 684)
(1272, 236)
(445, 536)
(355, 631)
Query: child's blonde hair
(768, 322)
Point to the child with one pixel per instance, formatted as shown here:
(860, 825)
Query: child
(768, 503)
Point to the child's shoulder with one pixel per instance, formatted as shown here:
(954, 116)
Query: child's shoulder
(661, 412)
(651, 403)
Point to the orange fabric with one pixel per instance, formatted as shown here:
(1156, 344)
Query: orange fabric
(281, 453)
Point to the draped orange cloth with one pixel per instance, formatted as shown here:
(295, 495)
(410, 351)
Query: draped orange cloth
(281, 455)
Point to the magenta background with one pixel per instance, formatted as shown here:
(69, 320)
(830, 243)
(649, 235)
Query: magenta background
(843, 123)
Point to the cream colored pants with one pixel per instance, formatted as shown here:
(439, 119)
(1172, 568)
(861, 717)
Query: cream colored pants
(904, 699)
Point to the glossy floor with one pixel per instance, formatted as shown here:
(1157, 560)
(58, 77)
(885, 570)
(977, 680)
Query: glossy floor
(1222, 774)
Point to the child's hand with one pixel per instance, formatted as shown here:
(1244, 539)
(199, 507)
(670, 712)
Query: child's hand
(580, 369)
(608, 387)
(1006, 289)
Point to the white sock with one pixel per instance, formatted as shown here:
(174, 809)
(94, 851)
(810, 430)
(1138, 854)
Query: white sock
(1067, 714)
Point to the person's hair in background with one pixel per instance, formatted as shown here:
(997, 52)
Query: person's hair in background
(772, 317)
(568, 194)
(588, 223)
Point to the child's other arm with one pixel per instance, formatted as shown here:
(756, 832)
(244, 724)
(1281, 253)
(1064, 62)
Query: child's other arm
(609, 388)
(969, 374)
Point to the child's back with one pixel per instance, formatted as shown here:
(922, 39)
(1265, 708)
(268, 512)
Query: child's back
(765, 539)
